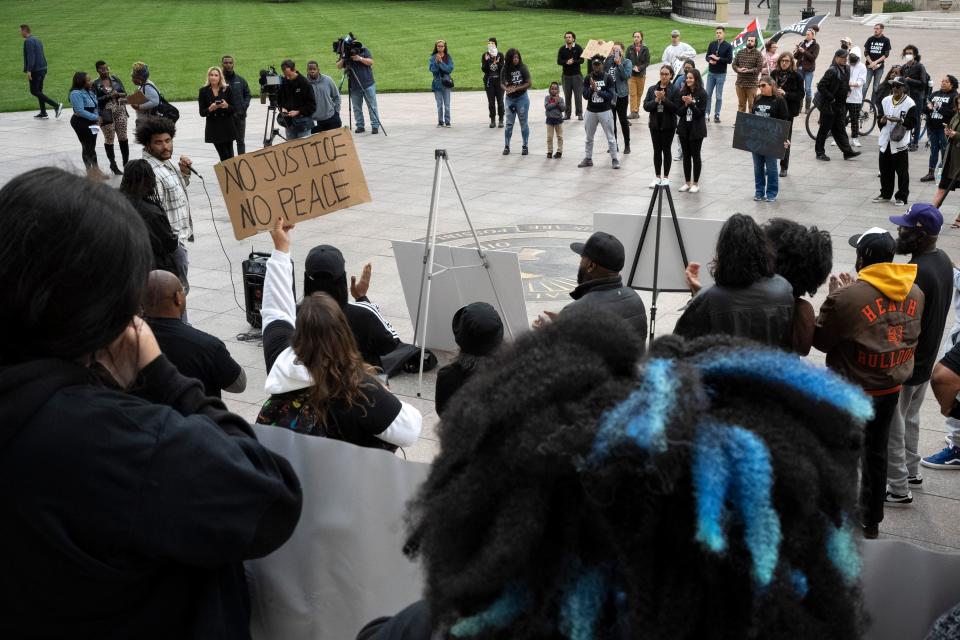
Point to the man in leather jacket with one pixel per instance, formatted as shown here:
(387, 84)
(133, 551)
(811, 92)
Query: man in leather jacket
(832, 91)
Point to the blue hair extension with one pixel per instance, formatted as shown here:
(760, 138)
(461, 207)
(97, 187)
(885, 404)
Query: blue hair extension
(752, 493)
(842, 551)
(790, 371)
(732, 466)
(711, 480)
(799, 582)
(498, 616)
(582, 604)
(642, 417)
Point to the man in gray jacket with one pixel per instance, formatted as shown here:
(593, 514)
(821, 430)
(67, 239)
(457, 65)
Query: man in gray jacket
(327, 115)
(599, 284)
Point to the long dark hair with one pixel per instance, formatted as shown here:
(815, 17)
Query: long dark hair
(577, 488)
(139, 180)
(743, 254)
(803, 256)
(508, 59)
(79, 81)
(324, 343)
(73, 265)
(697, 90)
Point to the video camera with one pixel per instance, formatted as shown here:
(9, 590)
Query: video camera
(270, 82)
(347, 46)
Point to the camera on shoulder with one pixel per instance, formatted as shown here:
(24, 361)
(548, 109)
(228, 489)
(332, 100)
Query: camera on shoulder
(347, 46)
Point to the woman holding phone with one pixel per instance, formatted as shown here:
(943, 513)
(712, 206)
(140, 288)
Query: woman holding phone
(220, 130)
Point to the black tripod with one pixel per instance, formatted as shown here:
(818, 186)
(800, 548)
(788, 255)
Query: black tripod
(270, 130)
(656, 199)
(363, 97)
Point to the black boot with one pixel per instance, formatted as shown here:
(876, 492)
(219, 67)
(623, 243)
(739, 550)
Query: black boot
(493, 123)
(125, 152)
(806, 103)
(113, 161)
(500, 123)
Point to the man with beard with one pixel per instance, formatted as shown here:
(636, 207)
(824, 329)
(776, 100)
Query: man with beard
(919, 228)
(747, 64)
(599, 91)
(833, 89)
(599, 284)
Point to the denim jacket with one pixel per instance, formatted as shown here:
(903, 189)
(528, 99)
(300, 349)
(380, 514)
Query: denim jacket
(84, 104)
(439, 69)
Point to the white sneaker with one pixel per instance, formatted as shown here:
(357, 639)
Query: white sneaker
(664, 182)
(695, 189)
(684, 187)
(655, 182)
(855, 142)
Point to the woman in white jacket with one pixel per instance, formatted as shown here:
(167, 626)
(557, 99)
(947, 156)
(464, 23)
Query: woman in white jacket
(858, 79)
(317, 380)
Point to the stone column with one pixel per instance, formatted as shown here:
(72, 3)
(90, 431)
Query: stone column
(723, 11)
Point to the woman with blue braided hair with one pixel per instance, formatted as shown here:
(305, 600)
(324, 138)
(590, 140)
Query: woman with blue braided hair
(580, 493)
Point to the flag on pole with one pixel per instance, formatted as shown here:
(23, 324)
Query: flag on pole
(752, 29)
(800, 27)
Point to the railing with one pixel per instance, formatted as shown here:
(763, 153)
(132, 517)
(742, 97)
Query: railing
(696, 9)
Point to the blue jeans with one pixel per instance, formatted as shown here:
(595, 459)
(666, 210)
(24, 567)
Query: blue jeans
(874, 77)
(518, 106)
(807, 83)
(765, 176)
(938, 146)
(356, 99)
(442, 97)
(298, 127)
(715, 81)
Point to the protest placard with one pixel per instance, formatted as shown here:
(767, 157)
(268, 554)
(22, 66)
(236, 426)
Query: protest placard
(300, 179)
(594, 47)
(758, 134)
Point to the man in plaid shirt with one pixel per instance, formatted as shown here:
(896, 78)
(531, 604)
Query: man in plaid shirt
(156, 136)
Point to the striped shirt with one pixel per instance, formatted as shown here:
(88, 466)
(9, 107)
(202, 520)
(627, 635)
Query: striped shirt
(172, 191)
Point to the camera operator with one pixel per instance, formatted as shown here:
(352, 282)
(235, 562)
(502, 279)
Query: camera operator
(327, 96)
(296, 102)
(358, 60)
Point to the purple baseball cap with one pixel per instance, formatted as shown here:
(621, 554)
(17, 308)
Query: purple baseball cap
(922, 215)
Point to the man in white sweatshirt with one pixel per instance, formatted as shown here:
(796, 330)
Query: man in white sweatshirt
(677, 50)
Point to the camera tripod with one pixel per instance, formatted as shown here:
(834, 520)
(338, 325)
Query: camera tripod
(270, 130)
(363, 97)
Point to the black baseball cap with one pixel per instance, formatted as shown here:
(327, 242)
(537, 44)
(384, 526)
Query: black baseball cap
(324, 262)
(598, 59)
(602, 248)
(874, 243)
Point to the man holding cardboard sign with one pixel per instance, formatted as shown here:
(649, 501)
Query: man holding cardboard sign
(299, 179)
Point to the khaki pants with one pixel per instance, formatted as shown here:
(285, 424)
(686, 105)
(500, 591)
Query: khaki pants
(636, 84)
(554, 130)
(745, 98)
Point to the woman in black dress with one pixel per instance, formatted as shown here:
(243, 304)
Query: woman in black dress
(789, 86)
(220, 130)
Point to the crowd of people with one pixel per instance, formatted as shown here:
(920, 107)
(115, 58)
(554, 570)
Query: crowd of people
(565, 457)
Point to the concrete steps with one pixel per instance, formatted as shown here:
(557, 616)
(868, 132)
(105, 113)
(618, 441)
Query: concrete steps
(915, 20)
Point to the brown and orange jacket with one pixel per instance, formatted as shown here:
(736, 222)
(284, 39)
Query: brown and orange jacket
(869, 328)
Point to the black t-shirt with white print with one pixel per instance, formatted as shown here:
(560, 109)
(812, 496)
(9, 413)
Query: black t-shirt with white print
(514, 76)
(942, 111)
(601, 99)
(877, 47)
(771, 107)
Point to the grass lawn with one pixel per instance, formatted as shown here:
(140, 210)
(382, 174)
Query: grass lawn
(179, 39)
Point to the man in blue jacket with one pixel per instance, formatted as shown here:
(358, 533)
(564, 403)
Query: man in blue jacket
(719, 55)
(35, 66)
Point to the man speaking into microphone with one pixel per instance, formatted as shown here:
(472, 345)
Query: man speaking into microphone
(156, 135)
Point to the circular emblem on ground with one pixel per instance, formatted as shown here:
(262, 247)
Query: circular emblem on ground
(548, 269)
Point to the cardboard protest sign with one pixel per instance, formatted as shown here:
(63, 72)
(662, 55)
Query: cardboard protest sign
(758, 134)
(594, 47)
(300, 179)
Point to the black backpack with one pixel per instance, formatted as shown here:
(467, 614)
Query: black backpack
(165, 109)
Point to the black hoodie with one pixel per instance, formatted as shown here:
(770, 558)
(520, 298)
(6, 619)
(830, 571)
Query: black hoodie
(478, 330)
(127, 515)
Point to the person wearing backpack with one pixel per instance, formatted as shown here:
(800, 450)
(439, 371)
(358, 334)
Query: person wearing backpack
(155, 105)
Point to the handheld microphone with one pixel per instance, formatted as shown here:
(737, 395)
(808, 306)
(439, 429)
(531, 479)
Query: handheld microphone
(194, 172)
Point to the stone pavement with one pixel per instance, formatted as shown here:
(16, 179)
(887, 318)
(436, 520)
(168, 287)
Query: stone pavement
(533, 205)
